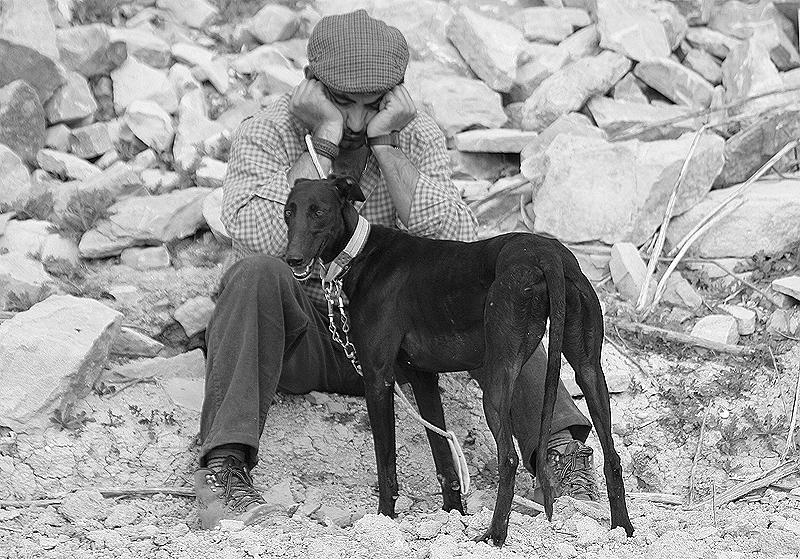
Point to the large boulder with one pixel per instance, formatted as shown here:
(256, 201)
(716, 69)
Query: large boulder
(588, 189)
(72, 101)
(65, 165)
(144, 44)
(634, 32)
(147, 220)
(573, 124)
(456, 103)
(206, 64)
(713, 42)
(91, 140)
(697, 12)
(28, 23)
(22, 120)
(16, 181)
(552, 25)
(748, 71)
(19, 62)
(568, 89)
(20, 277)
(88, 50)
(615, 117)
(676, 82)
(194, 13)
(754, 145)
(194, 127)
(493, 140)
(26, 236)
(134, 80)
(50, 357)
(273, 23)
(768, 219)
(151, 124)
(488, 45)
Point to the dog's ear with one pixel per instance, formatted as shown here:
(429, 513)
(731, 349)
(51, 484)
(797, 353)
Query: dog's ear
(348, 188)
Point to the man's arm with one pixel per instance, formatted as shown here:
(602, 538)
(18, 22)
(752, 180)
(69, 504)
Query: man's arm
(401, 179)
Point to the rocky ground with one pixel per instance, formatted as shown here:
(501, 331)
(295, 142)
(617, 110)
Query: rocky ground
(571, 119)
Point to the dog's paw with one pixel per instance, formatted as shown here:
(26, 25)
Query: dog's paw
(496, 538)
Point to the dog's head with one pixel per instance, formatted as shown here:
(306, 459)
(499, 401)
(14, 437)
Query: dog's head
(320, 218)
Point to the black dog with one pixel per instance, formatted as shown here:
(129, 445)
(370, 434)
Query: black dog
(419, 306)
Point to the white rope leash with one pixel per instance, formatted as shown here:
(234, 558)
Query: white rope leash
(456, 451)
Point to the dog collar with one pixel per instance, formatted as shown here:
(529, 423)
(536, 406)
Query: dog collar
(341, 263)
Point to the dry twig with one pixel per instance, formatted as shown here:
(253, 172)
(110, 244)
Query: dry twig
(679, 337)
(697, 454)
(793, 422)
(759, 482)
(662, 233)
(105, 492)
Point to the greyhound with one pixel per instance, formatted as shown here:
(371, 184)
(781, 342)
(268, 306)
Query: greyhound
(420, 306)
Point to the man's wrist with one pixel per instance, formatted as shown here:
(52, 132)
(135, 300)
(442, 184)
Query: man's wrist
(391, 139)
(330, 133)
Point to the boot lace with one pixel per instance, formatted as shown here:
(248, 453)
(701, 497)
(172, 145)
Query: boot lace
(238, 487)
(574, 473)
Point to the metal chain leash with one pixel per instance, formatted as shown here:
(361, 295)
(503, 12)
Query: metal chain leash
(333, 296)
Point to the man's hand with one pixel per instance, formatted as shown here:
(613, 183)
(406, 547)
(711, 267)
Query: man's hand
(396, 110)
(311, 106)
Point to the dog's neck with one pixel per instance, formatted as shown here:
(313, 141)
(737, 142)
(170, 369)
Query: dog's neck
(349, 244)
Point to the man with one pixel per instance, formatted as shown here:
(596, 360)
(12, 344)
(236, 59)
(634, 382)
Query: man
(269, 332)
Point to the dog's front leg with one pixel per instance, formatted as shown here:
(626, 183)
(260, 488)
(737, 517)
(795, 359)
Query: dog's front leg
(379, 386)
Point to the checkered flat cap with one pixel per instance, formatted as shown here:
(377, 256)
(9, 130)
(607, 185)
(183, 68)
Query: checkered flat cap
(355, 53)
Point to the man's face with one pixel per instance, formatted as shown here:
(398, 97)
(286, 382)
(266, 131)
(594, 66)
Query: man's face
(357, 110)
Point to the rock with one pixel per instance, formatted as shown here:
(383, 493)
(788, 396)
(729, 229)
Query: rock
(72, 101)
(90, 141)
(680, 293)
(542, 61)
(614, 117)
(628, 90)
(456, 103)
(273, 23)
(704, 64)
(26, 237)
(50, 356)
(58, 137)
(122, 515)
(745, 318)
(58, 251)
(552, 25)
(738, 19)
(212, 213)
(713, 42)
(628, 271)
(788, 286)
(84, 504)
(24, 278)
(748, 71)
(18, 62)
(620, 190)
(213, 69)
(478, 166)
(131, 343)
(721, 328)
(280, 496)
(143, 44)
(193, 128)
(194, 314)
(16, 179)
(126, 295)
(784, 322)
(634, 32)
(135, 81)
(65, 166)
(697, 12)
(158, 181)
(673, 22)
(108, 159)
(28, 23)
(584, 42)
(569, 88)
(148, 258)
(768, 219)
(751, 147)
(182, 80)
(275, 79)
(22, 123)
(89, 50)
(784, 54)
(256, 60)
(146, 220)
(489, 46)
(574, 124)
(498, 140)
(211, 173)
(150, 123)
(197, 14)
(678, 83)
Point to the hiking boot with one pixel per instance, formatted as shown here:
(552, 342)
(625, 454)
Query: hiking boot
(573, 473)
(228, 494)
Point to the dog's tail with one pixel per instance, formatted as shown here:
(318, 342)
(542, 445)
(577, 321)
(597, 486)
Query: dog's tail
(553, 269)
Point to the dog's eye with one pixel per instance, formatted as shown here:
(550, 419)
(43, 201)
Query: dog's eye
(319, 213)
(287, 213)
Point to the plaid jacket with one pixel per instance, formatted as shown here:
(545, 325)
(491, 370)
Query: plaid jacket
(266, 146)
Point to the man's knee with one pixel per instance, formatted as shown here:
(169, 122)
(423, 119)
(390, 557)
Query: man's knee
(256, 273)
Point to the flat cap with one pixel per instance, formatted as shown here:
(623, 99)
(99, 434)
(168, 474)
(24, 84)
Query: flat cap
(356, 53)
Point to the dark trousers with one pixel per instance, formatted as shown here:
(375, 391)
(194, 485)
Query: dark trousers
(266, 335)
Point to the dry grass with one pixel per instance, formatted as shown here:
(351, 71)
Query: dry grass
(83, 211)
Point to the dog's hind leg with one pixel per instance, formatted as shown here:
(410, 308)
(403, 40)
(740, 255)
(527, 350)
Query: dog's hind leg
(509, 344)
(583, 339)
(429, 402)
